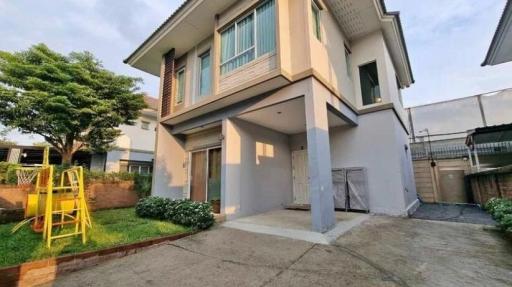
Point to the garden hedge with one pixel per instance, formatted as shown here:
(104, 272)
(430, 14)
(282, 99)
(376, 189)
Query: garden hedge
(184, 212)
(501, 211)
(8, 172)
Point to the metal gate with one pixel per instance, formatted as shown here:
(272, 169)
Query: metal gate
(350, 189)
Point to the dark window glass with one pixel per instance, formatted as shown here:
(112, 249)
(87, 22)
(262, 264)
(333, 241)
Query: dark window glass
(370, 89)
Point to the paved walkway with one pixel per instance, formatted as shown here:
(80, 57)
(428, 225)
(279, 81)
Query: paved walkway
(465, 213)
(296, 224)
(382, 251)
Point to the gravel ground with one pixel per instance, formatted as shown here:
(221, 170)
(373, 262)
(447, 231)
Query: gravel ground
(465, 213)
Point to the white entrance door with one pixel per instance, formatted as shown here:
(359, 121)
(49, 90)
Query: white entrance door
(300, 177)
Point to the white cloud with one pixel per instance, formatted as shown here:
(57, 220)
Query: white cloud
(109, 29)
(447, 42)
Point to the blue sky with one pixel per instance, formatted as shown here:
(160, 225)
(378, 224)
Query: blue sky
(447, 40)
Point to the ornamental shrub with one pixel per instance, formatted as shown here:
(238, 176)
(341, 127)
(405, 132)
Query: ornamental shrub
(191, 213)
(501, 211)
(506, 222)
(503, 208)
(153, 207)
(101, 176)
(491, 204)
(10, 176)
(197, 215)
(142, 184)
(8, 172)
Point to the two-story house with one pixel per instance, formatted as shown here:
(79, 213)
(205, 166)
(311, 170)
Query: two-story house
(133, 150)
(261, 99)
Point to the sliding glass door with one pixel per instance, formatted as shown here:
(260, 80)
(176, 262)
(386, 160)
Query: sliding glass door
(205, 182)
(198, 176)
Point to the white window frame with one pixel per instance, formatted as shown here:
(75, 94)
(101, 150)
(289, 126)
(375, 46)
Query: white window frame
(317, 27)
(254, 46)
(206, 52)
(189, 167)
(255, 36)
(144, 125)
(348, 62)
(176, 96)
(138, 167)
(361, 88)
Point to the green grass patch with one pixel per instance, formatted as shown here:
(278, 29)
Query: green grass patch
(110, 228)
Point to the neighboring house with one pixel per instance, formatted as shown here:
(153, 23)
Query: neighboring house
(438, 143)
(500, 50)
(261, 100)
(134, 149)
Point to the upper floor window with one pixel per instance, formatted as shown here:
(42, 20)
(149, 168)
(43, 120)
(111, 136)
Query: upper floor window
(249, 38)
(204, 74)
(370, 89)
(180, 85)
(144, 125)
(348, 62)
(316, 20)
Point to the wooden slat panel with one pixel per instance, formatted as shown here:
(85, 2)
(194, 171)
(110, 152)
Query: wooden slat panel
(168, 83)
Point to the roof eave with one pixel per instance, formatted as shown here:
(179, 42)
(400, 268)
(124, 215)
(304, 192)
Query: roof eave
(497, 38)
(396, 14)
(132, 57)
(403, 45)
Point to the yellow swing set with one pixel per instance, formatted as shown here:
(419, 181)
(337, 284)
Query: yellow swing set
(50, 206)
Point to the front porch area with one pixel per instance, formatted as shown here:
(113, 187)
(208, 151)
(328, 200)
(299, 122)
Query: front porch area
(257, 156)
(296, 224)
(277, 154)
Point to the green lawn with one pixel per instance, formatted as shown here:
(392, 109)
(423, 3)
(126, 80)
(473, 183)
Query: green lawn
(110, 228)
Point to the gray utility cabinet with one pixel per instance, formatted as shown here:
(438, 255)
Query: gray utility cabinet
(350, 187)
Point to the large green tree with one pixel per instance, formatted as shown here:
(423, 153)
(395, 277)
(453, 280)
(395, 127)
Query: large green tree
(72, 101)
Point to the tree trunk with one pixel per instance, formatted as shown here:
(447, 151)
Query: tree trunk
(67, 156)
(68, 150)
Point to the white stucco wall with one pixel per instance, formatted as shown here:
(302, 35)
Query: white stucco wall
(135, 137)
(369, 49)
(391, 83)
(407, 171)
(257, 173)
(115, 156)
(169, 171)
(328, 54)
(134, 144)
(378, 145)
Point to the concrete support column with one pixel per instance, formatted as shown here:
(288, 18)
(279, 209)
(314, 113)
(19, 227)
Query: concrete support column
(231, 171)
(170, 166)
(319, 162)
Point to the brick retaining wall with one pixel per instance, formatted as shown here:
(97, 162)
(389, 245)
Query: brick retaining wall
(47, 270)
(111, 195)
(100, 195)
(13, 196)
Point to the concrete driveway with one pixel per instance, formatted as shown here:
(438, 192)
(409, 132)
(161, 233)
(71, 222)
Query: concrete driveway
(382, 251)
